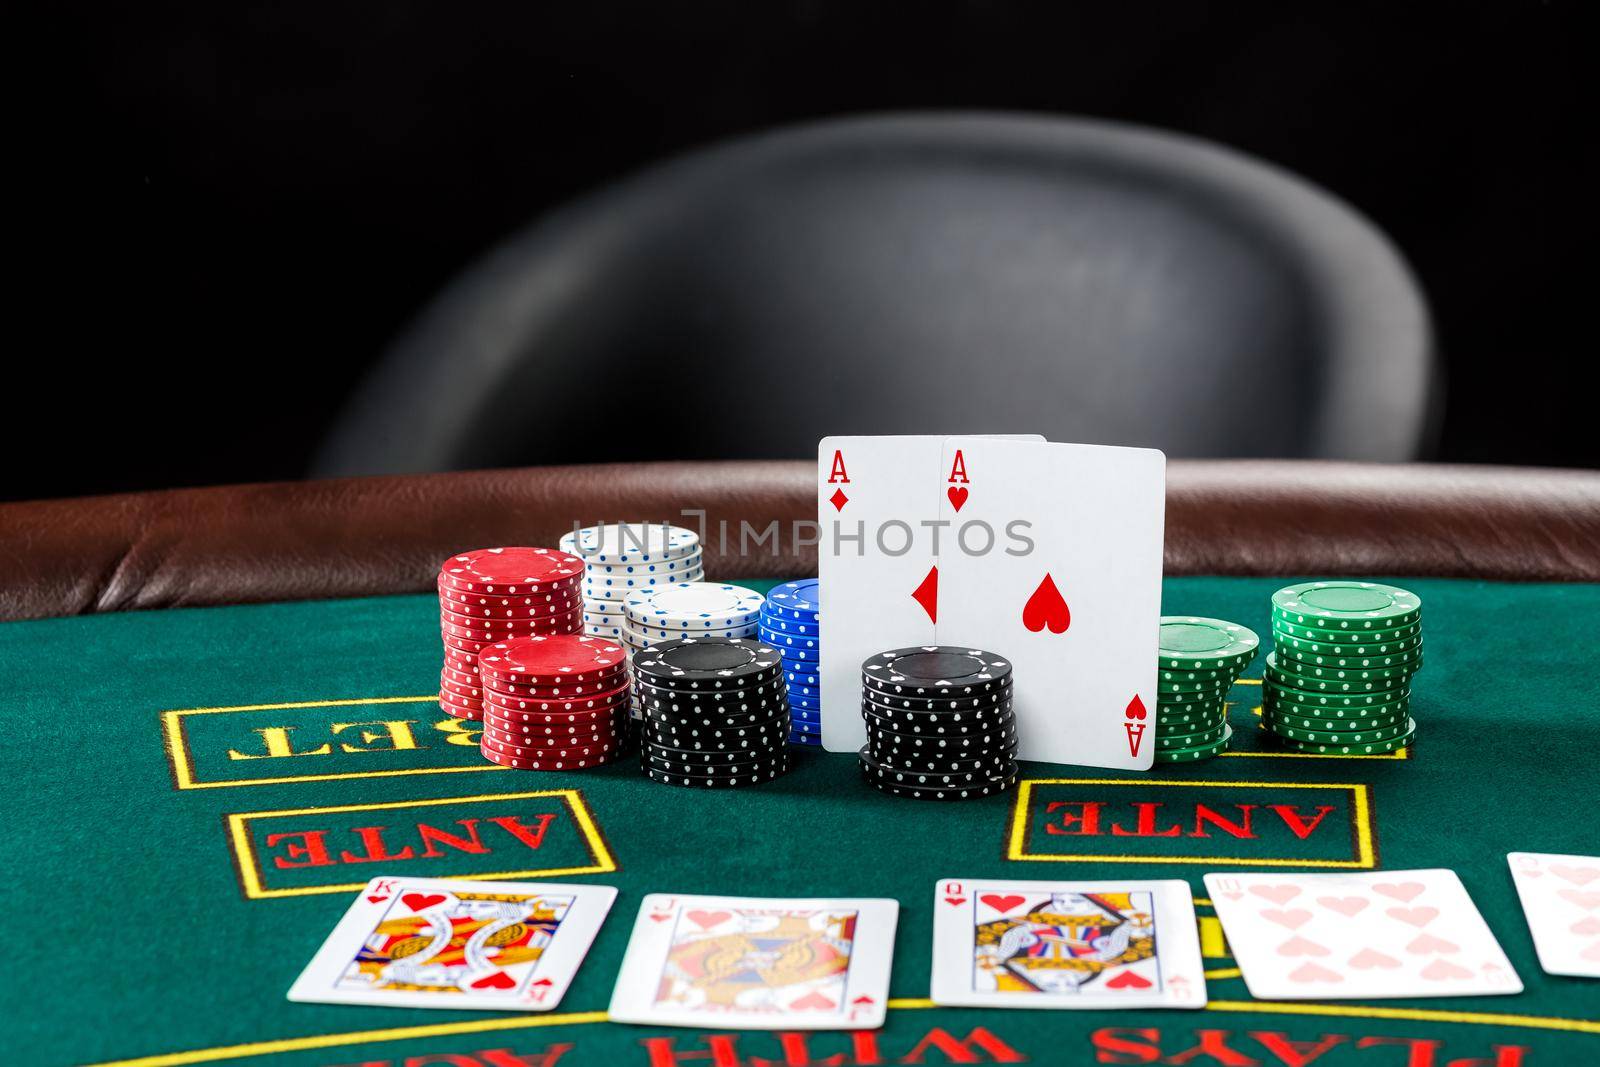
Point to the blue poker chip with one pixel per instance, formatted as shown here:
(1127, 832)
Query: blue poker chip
(783, 624)
(809, 740)
(801, 601)
(803, 659)
(810, 726)
(809, 703)
(781, 640)
(811, 719)
(794, 677)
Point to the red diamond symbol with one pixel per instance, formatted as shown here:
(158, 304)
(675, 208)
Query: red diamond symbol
(838, 499)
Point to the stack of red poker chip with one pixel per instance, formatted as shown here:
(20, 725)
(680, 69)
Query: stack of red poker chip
(496, 594)
(554, 702)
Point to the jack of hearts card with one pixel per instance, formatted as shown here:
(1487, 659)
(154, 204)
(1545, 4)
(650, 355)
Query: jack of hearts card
(454, 943)
(1002, 943)
(757, 964)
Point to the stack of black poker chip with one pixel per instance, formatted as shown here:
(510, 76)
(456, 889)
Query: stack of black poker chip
(715, 712)
(940, 725)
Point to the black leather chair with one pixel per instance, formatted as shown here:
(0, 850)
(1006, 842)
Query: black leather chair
(912, 274)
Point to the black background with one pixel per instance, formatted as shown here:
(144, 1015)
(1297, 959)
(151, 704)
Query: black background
(227, 210)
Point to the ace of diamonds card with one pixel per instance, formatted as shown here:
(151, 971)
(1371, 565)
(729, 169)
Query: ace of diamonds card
(757, 964)
(435, 943)
(1002, 943)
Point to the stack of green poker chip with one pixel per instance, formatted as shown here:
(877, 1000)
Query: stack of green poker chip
(1338, 681)
(1200, 659)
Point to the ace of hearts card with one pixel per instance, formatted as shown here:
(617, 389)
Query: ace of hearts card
(447, 943)
(1361, 935)
(757, 964)
(1052, 557)
(1002, 943)
(1560, 896)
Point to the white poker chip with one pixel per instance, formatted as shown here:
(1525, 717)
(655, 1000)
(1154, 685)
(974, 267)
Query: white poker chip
(647, 568)
(692, 606)
(631, 542)
(620, 584)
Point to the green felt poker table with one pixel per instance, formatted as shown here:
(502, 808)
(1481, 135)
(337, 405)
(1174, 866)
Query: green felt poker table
(195, 791)
(194, 796)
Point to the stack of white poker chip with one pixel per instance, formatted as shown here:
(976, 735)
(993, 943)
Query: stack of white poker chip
(621, 558)
(670, 612)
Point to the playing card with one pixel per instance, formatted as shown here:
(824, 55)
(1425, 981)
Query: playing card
(1356, 936)
(876, 503)
(757, 964)
(1008, 944)
(436, 943)
(1052, 558)
(1561, 898)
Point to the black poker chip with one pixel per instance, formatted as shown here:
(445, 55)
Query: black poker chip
(719, 718)
(935, 671)
(775, 760)
(701, 739)
(932, 779)
(767, 700)
(923, 787)
(998, 713)
(993, 698)
(703, 782)
(708, 663)
(708, 758)
(710, 696)
(937, 763)
(952, 727)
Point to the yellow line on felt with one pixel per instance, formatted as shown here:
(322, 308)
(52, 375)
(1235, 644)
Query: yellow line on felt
(1266, 1007)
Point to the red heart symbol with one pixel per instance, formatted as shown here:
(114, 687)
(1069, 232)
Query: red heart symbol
(927, 594)
(958, 495)
(705, 920)
(1046, 607)
(1128, 980)
(660, 918)
(1135, 708)
(376, 900)
(1405, 891)
(421, 901)
(813, 1000)
(955, 900)
(1001, 903)
(497, 980)
(1369, 958)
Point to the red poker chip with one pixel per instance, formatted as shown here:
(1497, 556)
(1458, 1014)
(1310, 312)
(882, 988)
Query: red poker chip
(470, 691)
(510, 570)
(458, 712)
(565, 691)
(461, 701)
(568, 763)
(514, 717)
(552, 660)
(515, 723)
(478, 630)
(488, 606)
(456, 659)
(459, 675)
(588, 738)
(580, 697)
(557, 749)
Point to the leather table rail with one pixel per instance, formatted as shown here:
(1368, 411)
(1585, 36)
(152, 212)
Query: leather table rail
(359, 536)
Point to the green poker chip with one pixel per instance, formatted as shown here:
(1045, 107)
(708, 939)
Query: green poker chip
(1346, 655)
(1386, 647)
(1299, 661)
(1189, 721)
(1200, 685)
(1337, 681)
(1314, 718)
(1277, 693)
(1191, 755)
(1193, 643)
(1350, 737)
(1191, 740)
(1192, 696)
(1346, 606)
(1367, 748)
(1200, 677)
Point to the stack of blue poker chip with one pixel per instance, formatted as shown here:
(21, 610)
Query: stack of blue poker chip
(791, 621)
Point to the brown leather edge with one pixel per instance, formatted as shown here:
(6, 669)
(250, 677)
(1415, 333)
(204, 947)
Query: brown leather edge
(365, 536)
